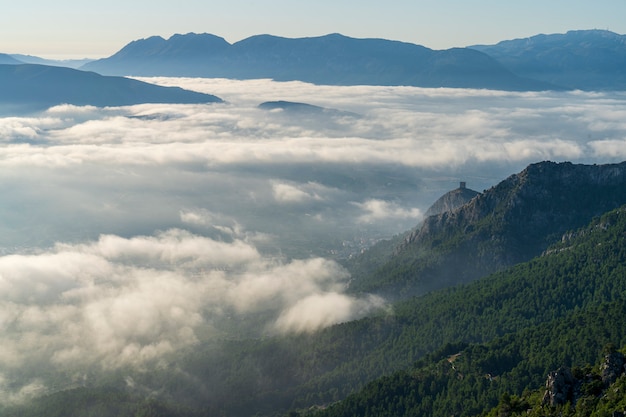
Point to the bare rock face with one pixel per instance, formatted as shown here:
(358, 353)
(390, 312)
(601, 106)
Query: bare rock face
(612, 367)
(559, 387)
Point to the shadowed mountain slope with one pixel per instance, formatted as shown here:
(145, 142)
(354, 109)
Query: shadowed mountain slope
(35, 87)
(510, 329)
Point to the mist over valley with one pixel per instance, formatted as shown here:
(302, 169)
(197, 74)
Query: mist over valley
(188, 240)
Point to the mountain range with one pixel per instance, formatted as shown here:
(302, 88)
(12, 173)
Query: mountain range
(584, 59)
(28, 87)
(332, 59)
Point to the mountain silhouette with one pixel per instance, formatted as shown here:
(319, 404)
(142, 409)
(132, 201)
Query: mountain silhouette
(35, 87)
(330, 60)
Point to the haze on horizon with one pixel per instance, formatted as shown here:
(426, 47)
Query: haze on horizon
(68, 29)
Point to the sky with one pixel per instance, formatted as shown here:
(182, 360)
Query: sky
(77, 29)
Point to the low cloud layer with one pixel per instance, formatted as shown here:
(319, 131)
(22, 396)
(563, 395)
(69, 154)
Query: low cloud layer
(73, 173)
(128, 302)
(129, 233)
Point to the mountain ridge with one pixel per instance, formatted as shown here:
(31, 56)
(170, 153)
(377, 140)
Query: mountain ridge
(332, 59)
(588, 60)
(69, 63)
(6, 59)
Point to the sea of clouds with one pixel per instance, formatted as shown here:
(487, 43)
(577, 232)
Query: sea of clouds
(130, 233)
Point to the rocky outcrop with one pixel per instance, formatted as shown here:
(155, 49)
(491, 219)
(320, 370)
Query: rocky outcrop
(562, 386)
(559, 387)
(612, 367)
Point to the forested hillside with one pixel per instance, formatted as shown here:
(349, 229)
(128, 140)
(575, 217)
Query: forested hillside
(560, 309)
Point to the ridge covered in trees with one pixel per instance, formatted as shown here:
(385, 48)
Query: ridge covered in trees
(560, 309)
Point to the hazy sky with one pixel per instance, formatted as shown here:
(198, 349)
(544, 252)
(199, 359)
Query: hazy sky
(73, 28)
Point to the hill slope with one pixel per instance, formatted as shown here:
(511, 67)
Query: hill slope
(560, 309)
(332, 59)
(38, 86)
(584, 59)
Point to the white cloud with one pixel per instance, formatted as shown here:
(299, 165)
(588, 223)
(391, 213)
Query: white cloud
(379, 210)
(77, 172)
(614, 148)
(288, 193)
(321, 310)
(128, 301)
(134, 192)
